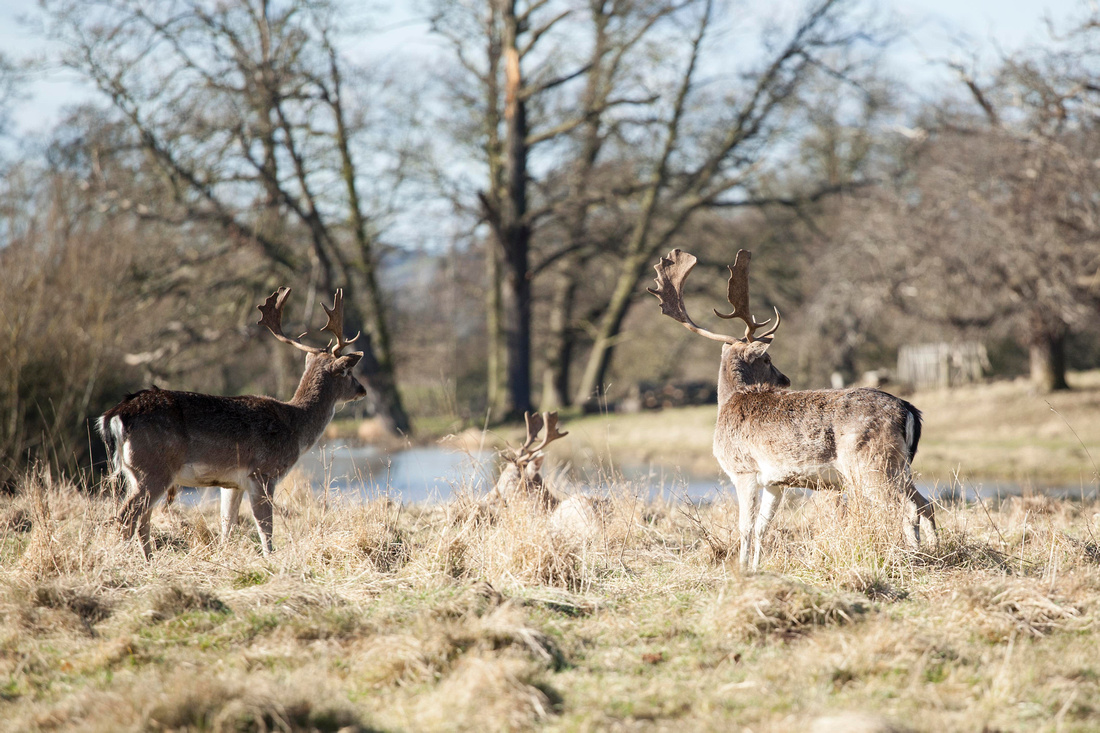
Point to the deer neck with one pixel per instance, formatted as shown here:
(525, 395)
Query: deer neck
(746, 369)
(730, 380)
(316, 400)
(735, 377)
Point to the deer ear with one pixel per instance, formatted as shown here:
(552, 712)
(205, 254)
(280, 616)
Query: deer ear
(754, 350)
(535, 464)
(348, 362)
(759, 348)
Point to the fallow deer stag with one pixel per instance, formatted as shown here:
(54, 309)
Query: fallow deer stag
(160, 439)
(577, 517)
(767, 437)
(522, 473)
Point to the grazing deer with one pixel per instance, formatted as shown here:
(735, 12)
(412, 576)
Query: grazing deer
(767, 437)
(161, 439)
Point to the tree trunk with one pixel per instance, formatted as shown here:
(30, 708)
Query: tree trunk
(513, 230)
(495, 384)
(517, 335)
(1047, 352)
(505, 202)
(559, 351)
(639, 248)
(591, 388)
(377, 352)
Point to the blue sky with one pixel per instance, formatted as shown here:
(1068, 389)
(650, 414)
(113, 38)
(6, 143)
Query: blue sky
(935, 30)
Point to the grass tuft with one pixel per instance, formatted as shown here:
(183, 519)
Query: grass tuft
(1013, 606)
(489, 693)
(171, 600)
(756, 608)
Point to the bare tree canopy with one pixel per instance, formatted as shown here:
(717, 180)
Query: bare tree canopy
(605, 130)
(245, 112)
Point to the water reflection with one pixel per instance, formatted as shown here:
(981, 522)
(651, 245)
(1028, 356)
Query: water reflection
(433, 474)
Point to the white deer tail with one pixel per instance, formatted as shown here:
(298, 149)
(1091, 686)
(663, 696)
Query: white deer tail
(111, 430)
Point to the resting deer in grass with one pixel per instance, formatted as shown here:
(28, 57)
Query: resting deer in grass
(522, 474)
(577, 516)
(768, 437)
(160, 439)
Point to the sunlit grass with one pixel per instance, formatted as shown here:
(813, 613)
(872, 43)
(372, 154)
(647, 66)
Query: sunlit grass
(382, 616)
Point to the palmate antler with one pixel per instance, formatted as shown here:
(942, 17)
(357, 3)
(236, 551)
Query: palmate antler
(673, 270)
(335, 324)
(272, 317)
(535, 422)
(738, 296)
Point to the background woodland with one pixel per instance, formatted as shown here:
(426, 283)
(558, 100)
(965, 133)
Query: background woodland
(493, 203)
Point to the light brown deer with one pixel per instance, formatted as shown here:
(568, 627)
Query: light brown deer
(160, 439)
(521, 476)
(577, 516)
(768, 437)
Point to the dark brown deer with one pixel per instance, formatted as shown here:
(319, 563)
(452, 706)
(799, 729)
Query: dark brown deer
(768, 437)
(160, 439)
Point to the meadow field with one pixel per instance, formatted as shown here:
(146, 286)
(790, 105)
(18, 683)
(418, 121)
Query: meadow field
(389, 617)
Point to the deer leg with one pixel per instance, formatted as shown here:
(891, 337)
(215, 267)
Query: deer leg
(917, 508)
(260, 496)
(137, 511)
(768, 504)
(144, 532)
(748, 504)
(231, 507)
(132, 510)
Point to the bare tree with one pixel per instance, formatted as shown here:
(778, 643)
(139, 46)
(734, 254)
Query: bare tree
(1003, 232)
(709, 162)
(58, 325)
(542, 99)
(992, 229)
(246, 112)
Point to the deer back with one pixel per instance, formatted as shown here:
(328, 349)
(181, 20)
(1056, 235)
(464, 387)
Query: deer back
(215, 440)
(789, 436)
(215, 435)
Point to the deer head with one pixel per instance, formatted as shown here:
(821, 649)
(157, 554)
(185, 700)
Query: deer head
(745, 361)
(324, 366)
(522, 473)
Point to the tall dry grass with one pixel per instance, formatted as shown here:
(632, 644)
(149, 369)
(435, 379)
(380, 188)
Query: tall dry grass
(385, 616)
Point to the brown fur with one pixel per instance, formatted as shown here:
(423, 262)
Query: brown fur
(163, 438)
(767, 437)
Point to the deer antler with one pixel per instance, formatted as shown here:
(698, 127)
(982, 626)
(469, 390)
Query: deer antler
(738, 296)
(272, 317)
(534, 426)
(672, 271)
(552, 433)
(335, 324)
(535, 421)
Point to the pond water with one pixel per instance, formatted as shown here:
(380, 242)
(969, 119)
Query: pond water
(433, 474)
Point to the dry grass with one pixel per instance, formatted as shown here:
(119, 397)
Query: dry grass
(763, 606)
(387, 617)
